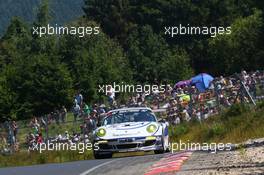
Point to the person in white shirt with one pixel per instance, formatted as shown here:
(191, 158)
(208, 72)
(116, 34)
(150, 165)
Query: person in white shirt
(111, 94)
(76, 111)
(79, 99)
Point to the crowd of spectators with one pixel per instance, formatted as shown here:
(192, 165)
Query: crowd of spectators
(85, 116)
(183, 103)
(180, 103)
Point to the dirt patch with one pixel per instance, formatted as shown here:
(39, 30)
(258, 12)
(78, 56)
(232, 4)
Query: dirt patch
(240, 161)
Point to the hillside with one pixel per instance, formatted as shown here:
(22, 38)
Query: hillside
(61, 10)
(235, 125)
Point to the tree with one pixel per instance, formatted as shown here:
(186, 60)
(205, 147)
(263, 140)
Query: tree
(112, 15)
(243, 49)
(16, 41)
(161, 13)
(176, 66)
(7, 100)
(36, 85)
(33, 81)
(47, 43)
(150, 57)
(93, 60)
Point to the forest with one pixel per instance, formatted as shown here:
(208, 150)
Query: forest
(38, 74)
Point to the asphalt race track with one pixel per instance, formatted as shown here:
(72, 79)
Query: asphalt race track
(181, 163)
(115, 166)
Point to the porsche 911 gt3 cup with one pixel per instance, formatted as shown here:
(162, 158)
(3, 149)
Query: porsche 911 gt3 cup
(130, 129)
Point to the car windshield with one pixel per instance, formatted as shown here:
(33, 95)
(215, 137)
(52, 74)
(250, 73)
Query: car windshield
(129, 116)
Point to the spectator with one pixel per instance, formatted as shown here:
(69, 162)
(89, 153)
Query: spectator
(86, 138)
(75, 138)
(86, 110)
(39, 138)
(15, 130)
(65, 137)
(76, 111)
(79, 99)
(111, 94)
(35, 125)
(57, 116)
(63, 114)
(93, 120)
(31, 141)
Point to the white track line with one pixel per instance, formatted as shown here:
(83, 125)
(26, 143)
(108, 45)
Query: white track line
(94, 168)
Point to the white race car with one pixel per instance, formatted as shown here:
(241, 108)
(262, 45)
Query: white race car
(130, 129)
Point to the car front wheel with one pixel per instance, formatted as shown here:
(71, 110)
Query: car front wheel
(162, 150)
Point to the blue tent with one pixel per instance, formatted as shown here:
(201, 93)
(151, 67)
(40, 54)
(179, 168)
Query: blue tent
(202, 81)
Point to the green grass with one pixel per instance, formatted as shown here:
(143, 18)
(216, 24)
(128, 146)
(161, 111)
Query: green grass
(234, 125)
(24, 158)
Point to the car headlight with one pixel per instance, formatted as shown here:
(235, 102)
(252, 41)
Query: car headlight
(101, 132)
(151, 128)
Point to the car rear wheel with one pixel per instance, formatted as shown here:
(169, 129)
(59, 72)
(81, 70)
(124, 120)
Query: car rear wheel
(102, 156)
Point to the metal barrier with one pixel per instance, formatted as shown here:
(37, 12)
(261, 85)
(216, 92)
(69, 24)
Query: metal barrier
(12, 139)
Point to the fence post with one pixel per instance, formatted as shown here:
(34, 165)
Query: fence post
(247, 93)
(216, 92)
(10, 136)
(47, 128)
(191, 101)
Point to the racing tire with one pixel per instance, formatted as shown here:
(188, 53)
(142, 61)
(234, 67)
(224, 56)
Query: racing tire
(162, 150)
(102, 156)
(168, 148)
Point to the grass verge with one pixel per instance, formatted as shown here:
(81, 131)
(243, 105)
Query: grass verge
(25, 158)
(234, 125)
